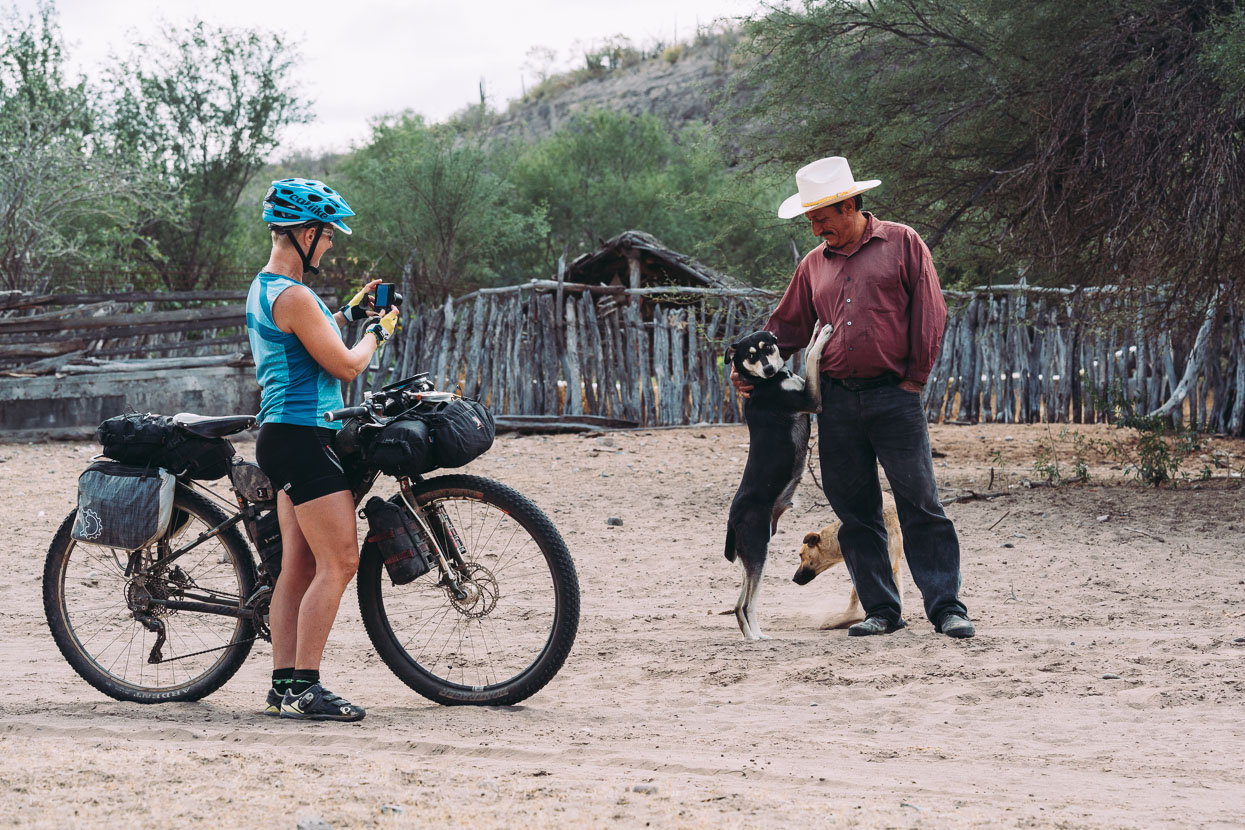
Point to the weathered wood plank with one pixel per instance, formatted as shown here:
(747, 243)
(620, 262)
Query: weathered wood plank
(571, 364)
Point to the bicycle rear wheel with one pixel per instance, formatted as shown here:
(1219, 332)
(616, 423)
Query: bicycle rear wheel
(510, 635)
(93, 608)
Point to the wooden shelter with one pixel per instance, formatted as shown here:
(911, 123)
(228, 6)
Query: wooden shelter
(635, 259)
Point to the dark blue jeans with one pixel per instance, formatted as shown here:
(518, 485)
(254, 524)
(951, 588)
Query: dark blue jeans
(856, 431)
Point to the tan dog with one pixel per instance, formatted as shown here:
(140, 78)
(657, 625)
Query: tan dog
(821, 551)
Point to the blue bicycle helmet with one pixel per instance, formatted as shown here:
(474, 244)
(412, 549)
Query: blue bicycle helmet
(298, 203)
(293, 202)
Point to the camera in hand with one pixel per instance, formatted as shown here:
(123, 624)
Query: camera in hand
(387, 296)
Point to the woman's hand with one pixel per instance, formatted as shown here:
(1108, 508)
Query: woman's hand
(361, 305)
(383, 328)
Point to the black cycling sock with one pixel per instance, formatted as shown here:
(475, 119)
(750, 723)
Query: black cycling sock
(303, 680)
(282, 678)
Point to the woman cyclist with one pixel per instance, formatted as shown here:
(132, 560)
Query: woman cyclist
(300, 361)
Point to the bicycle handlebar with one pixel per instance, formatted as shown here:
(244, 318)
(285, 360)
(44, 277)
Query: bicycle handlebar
(343, 414)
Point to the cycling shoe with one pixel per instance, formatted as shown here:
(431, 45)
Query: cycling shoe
(318, 703)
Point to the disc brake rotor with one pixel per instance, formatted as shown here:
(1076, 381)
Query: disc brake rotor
(481, 593)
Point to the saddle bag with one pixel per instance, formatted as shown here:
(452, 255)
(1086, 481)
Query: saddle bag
(125, 507)
(187, 454)
(143, 439)
(461, 431)
(395, 537)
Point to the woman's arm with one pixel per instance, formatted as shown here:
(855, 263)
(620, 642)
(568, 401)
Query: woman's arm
(296, 311)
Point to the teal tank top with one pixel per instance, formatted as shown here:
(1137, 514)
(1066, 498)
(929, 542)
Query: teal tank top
(296, 390)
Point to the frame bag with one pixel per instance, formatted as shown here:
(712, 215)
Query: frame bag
(123, 507)
(395, 537)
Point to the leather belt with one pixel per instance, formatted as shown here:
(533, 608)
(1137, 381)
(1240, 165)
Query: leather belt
(861, 384)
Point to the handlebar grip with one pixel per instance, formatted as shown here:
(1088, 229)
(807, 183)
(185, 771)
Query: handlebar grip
(343, 414)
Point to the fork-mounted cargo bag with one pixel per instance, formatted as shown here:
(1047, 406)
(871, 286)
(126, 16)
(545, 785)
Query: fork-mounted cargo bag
(397, 539)
(123, 507)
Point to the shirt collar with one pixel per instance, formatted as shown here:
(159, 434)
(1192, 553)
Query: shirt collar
(873, 227)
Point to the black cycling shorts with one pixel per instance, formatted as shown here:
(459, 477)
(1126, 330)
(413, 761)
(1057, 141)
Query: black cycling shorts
(300, 460)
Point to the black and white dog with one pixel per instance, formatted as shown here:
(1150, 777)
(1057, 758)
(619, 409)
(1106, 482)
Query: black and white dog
(778, 432)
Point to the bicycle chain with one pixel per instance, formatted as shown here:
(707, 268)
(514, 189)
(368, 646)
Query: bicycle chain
(205, 651)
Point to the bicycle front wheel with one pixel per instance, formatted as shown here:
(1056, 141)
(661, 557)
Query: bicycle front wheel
(512, 629)
(99, 606)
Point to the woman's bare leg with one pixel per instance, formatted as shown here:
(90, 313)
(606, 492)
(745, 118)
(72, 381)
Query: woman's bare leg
(298, 568)
(328, 526)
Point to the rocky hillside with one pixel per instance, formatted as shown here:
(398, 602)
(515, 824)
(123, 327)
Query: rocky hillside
(683, 85)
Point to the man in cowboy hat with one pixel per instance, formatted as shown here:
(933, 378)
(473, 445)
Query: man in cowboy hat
(875, 283)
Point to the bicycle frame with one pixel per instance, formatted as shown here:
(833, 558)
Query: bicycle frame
(246, 609)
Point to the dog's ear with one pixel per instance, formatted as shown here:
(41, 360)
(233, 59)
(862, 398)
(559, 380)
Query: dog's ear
(729, 356)
(812, 539)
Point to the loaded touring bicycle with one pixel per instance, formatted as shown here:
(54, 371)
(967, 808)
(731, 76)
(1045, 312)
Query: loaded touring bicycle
(466, 588)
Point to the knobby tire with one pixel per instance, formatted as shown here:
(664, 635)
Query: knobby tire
(487, 654)
(84, 599)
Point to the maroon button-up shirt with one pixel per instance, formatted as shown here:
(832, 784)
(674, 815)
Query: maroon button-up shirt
(883, 298)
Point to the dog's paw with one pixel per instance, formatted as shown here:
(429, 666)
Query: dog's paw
(840, 621)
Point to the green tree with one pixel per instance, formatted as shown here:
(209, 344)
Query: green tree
(435, 206)
(64, 197)
(202, 107)
(1096, 142)
(607, 172)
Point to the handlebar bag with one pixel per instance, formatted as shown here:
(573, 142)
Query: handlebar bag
(123, 507)
(396, 538)
(461, 432)
(400, 448)
(148, 440)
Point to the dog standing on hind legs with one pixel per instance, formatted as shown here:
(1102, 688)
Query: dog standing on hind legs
(778, 430)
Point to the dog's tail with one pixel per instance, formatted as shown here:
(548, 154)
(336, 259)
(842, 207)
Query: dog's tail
(730, 543)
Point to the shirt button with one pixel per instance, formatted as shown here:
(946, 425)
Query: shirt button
(849, 299)
(849, 322)
(851, 348)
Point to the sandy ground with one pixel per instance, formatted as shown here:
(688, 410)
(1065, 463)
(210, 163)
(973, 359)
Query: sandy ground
(664, 717)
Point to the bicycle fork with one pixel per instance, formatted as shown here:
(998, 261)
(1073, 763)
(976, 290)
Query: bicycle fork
(462, 591)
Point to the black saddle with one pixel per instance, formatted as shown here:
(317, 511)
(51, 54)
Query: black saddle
(206, 426)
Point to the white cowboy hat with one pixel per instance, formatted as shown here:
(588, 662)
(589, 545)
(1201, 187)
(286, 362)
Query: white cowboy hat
(824, 182)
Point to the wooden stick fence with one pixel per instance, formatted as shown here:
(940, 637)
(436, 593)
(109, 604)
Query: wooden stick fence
(1010, 354)
(595, 356)
(1018, 354)
(652, 356)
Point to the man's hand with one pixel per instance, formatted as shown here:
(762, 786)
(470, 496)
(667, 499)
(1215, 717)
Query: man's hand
(742, 386)
(911, 386)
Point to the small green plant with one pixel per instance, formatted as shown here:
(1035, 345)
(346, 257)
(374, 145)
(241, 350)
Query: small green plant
(1046, 464)
(1161, 448)
(1081, 448)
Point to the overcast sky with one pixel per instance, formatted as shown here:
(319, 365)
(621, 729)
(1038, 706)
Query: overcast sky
(369, 57)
